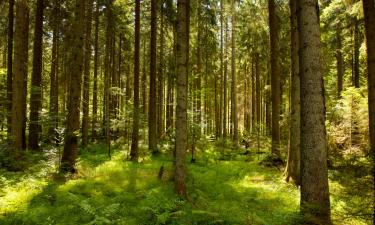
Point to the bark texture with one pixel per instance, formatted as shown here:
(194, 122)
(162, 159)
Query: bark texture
(293, 164)
(274, 23)
(36, 79)
(21, 37)
(75, 69)
(315, 203)
(10, 65)
(183, 7)
(135, 134)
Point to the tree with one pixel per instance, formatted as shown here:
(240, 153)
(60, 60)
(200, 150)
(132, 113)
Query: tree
(86, 75)
(10, 65)
(274, 23)
(183, 8)
(340, 61)
(293, 163)
(75, 69)
(234, 77)
(54, 75)
(369, 12)
(152, 120)
(36, 78)
(95, 87)
(315, 204)
(21, 36)
(135, 135)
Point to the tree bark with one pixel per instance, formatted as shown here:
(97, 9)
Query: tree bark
(315, 203)
(357, 43)
(86, 75)
(160, 113)
(274, 23)
(10, 66)
(183, 8)
(152, 120)
(54, 76)
(75, 69)
(369, 14)
(293, 164)
(36, 90)
(21, 37)
(96, 65)
(234, 77)
(134, 145)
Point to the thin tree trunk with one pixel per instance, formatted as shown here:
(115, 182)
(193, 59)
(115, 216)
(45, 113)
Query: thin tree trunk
(135, 135)
(75, 68)
(315, 203)
(357, 43)
(36, 79)
(152, 120)
(160, 113)
(10, 66)
(293, 164)
(21, 36)
(234, 77)
(54, 76)
(95, 87)
(183, 8)
(275, 75)
(225, 82)
(86, 75)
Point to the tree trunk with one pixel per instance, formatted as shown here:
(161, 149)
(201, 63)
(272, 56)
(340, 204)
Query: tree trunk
(36, 79)
(274, 23)
(293, 164)
(225, 90)
(152, 120)
(369, 13)
(54, 76)
(257, 89)
(86, 75)
(21, 37)
(315, 203)
(340, 61)
(75, 68)
(234, 77)
(134, 146)
(10, 66)
(160, 112)
(95, 87)
(183, 8)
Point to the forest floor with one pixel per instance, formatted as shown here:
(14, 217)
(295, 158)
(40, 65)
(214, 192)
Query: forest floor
(117, 191)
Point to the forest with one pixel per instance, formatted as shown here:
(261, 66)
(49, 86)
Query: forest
(254, 112)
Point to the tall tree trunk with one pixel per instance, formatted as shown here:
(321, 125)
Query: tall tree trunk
(10, 66)
(340, 61)
(274, 23)
(315, 203)
(134, 145)
(225, 82)
(36, 78)
(21, 37)
(369, 12)
(257, 90)
(293, 163)
(152, 120)
(183, 8)
(86, 75)
(96, 64)
(75, 69)
(253, 93)
(220, 128)
(198, 85)
(234, 77)
(54, 75)
(160, 113)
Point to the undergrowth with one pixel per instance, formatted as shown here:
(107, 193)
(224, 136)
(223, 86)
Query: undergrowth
(117, 191)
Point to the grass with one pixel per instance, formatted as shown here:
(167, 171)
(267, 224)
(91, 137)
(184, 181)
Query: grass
(117, 191)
